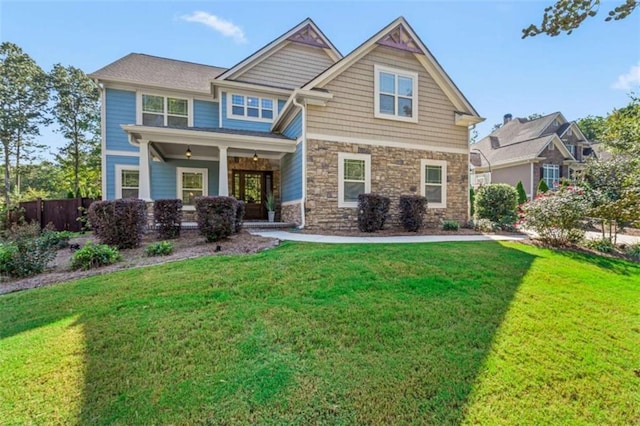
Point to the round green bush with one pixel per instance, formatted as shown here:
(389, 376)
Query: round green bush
(497, 203)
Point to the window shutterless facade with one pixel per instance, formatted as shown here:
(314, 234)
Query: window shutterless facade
(433, 177)
(250, 107)
(165, 111)
(127, 181)
(354, 178)
(192, 183)
(396, 94)
(551, 174)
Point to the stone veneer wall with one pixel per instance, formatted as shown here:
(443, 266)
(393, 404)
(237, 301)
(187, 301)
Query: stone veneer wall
(263, 165)
(394, 172)
(292, 213)
(553, 156)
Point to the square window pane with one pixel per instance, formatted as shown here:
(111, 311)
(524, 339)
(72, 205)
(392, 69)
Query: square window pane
(253, 101)
(237, 110)
(130, 178)
(405, 107)
(267, 113)
(352, 190)
(177, 121)
(191, 180)
(188, 196)
(433, 194)
(354, 170)
(152, 103)
(267, 104)
(253, 112)
(237, 100)
(405, 86)
(387, 83)
(177, 106)
(387, 104)
(129, 193)
(433, 174)
(152, 119)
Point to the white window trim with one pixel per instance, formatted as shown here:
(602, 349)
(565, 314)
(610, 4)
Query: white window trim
(119, 168)
(165, 95)
(443, 164)
(367, 176)
(232, 116)
(546, 167)
(205, 181)
(377, 69)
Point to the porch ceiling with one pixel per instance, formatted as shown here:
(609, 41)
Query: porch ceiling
(203, 152)
(176, 140)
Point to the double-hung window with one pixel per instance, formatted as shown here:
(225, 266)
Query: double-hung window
(433, 177)
(192, 183)
(396, 94)
(354, 178)
(165, 111)
(252, 107)
(127, 181)
(551, 174)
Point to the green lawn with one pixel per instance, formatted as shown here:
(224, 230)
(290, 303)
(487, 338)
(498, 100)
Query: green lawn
(477, 333)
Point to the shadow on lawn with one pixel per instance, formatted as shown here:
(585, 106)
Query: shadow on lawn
(304, 333)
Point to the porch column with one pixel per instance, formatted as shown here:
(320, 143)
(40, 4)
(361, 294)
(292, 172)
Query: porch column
(223, 177)
(144, 191)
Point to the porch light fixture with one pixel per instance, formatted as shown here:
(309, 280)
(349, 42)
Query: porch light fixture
(188, 153)
(255, 156)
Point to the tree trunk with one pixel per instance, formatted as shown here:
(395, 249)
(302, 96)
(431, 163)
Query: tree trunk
(76, 167)
(7, 179)
(17, 188)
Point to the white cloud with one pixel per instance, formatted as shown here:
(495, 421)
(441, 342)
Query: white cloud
(628, 80)
(226, 28)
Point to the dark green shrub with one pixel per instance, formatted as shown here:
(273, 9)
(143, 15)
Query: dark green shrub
(216, 217)
(412, 211)
(55, 239)
(12, 216)
(522, 194)
(161, 248)
(94, 255)
(450, 225)
(542, 187)
(119, 223)
(498, 203)
(26, 250)
(472, 201)
(633, 251)
(373, 210)
(168, 216)
(239, 215)
(603, 245)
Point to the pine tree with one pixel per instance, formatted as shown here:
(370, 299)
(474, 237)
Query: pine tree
(522, 194)
(542, 187)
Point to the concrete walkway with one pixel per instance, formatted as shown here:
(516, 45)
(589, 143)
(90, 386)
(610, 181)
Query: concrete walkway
(334, 239)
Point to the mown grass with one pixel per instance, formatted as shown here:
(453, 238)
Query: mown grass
(430, 333)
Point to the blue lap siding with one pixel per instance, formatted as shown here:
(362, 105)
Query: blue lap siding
(120, 109)
(291, 164)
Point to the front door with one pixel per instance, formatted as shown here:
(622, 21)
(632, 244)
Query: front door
(252, 187)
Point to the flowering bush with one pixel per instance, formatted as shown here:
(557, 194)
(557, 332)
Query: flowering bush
(556, 217)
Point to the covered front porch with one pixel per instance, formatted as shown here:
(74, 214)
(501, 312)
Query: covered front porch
(242, 164)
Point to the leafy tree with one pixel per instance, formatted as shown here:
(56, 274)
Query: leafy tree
(567, 15)
(522, 194)
(542, 187)
(76, 109)
(592, 127)
(622, 128)
(23, 100)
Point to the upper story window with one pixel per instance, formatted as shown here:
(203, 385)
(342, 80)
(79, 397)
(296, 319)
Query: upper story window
(251, 107)
(396, 94)
(165, 111)
(572, 149)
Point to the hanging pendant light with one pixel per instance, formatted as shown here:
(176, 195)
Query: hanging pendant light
(255, 156)
(188, 153)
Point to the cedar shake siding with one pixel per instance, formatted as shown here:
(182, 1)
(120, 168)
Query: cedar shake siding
(351, 111)
(291, 66)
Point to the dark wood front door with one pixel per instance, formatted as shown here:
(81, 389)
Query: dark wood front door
(252, 187)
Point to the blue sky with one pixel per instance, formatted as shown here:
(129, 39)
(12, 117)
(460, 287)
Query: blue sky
(477, 42)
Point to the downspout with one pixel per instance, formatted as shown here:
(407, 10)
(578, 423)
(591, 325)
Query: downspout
(103, 138)
(304, 160)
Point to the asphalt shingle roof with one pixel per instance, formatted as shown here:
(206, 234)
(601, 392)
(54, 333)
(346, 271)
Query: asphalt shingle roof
(161, 72)
(523, 150)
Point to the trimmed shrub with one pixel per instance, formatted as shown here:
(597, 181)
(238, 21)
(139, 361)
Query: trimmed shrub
(412, 211)
(450, 225)
(119, 223)
(216, 217)
(472, 201)
(557, 217)
(522, 194)
(543, 188)
(161, 248)
(498, 203)
(603, 245)
(373, 210)
(168, 215)
(239, 215)
(94, 255)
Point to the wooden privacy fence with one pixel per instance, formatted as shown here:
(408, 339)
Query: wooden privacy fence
(62, 213)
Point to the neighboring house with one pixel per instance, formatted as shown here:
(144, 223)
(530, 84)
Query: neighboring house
(549, 148)
(296, 118)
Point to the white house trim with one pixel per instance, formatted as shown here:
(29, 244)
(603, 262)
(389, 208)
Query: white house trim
(122, 153)
(393, 144)
(231, 116)
(291, 203)
(205, 181)
(443, 164)
(367, 176)
(118, 172)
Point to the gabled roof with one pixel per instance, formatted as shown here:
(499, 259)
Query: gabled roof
(159, 72)
(512, 153)
(306, 32)
(522, 129)
(398, 34)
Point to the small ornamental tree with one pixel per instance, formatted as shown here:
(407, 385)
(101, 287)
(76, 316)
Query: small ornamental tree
(498, 203)
(522, 194)
(543, 188)
(557, 217)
